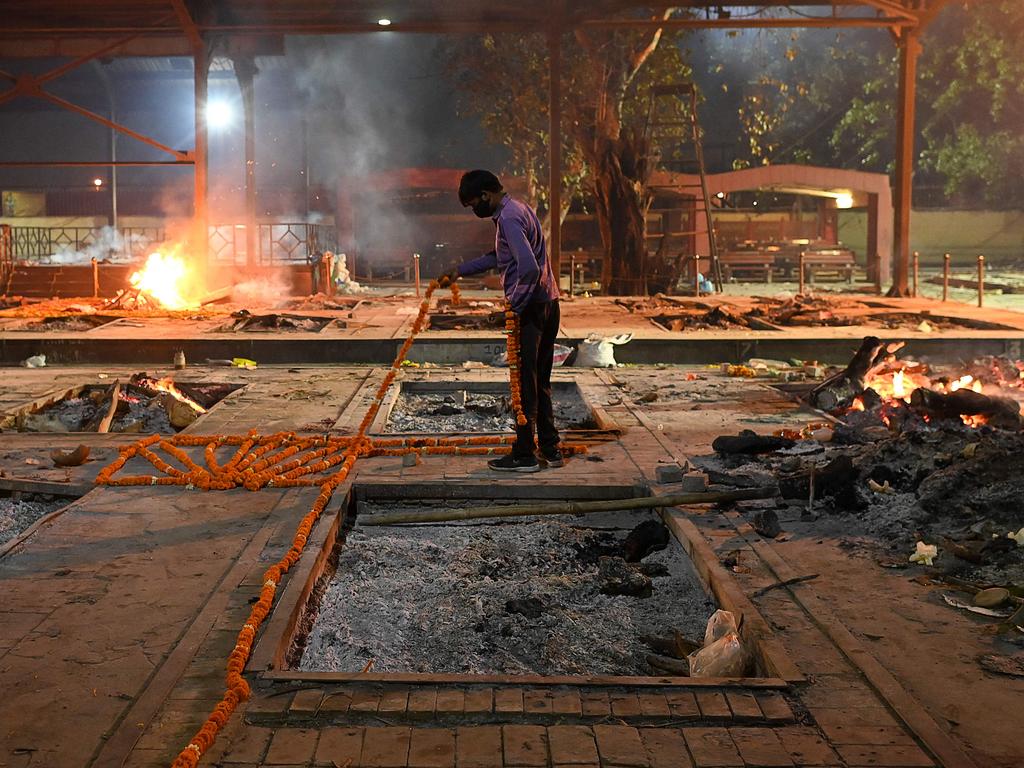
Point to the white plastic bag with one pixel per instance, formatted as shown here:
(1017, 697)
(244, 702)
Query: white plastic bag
(720, 624)
(726, 657)
(598, 351)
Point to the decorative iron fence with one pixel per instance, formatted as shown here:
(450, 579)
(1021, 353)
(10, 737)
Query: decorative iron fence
(276, 243)
(6, 255)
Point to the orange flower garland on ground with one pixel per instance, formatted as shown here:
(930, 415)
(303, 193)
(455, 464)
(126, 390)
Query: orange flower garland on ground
(285, 460)
(514, 384)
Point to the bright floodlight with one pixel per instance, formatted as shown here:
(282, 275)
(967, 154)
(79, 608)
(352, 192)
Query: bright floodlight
(720, 195)
(219, 114)
(844, 200)
(97, 182)
(384, 22)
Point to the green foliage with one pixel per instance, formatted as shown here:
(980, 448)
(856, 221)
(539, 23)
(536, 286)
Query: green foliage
(830, 99)
(502, 80)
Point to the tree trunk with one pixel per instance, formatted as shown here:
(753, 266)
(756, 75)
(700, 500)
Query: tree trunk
(620, 184)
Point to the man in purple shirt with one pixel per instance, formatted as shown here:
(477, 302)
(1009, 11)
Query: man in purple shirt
(520, 256)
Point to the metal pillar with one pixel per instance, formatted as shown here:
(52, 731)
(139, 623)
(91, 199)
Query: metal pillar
(200, 236)
(245, 71)
(555, 150)
(874, 263)
(910, 49)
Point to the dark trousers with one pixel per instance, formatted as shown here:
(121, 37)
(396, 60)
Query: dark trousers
(538, 327)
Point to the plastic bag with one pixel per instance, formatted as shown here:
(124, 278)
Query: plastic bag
(720, 624)
(599, 351)
(726, 657)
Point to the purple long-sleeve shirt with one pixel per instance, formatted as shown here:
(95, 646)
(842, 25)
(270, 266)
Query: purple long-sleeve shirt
(520, 255)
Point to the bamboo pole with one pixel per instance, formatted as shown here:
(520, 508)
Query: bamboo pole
(568, 507)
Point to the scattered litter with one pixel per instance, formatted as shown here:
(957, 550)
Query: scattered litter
(1018, 537)
(992, 597)
(723, 654)
(36, 361)
(881, 488)
(925, 327)
(243, 362)
(958, 603)
(598, 351)
(33, 462)
(73, 458)
(925, 553)
(1003, 665)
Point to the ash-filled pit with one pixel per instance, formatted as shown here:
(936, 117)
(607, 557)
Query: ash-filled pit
(70, 324)
(144, 405)
(473, 320)
(17, 515)
(246, 322)
(514, 598)
(467, 411)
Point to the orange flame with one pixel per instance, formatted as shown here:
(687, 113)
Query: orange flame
(165, 277)
(965, 382)
(167, 385)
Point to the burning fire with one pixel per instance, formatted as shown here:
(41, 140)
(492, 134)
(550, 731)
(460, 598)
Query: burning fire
(899, 385)
(165, 277)
(167, 385)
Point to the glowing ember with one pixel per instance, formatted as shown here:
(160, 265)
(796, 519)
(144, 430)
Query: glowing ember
(965, 382)
(165, 277)
(167, 385)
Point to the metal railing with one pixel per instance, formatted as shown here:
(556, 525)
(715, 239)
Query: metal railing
(277, 243)
(44, 243)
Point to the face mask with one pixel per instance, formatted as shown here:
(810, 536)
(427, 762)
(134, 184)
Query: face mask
(482, 209)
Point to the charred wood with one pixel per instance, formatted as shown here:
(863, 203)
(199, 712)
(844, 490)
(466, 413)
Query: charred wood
(1003, 412)
(840, 389)
(749, 441)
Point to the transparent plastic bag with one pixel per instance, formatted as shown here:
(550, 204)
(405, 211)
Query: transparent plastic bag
(720, 624)
(725, 657)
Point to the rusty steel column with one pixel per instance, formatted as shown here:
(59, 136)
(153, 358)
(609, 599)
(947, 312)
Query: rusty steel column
(200, 229)
(555, 150)
(245, 71)
(910, 49)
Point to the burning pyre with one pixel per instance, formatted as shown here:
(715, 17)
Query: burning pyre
(143, 404)
(166, 281)
(878, 387)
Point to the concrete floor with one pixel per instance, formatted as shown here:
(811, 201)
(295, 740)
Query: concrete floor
(119, 614)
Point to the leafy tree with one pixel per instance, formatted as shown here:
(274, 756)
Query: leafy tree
(829, 98)
(607, 76)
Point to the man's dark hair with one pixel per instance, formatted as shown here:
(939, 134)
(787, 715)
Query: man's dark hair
(475, 182)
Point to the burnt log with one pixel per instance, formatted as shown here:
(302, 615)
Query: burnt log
(834, 478)
(650, 536)
(618, 577)
(749, 441)
(840, 389)
(1003, 412)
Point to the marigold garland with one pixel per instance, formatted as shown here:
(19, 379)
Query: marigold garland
(513, 350)
(285, 460)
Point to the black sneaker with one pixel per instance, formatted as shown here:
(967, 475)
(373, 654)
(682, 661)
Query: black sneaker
(552, 457)
(512, 463)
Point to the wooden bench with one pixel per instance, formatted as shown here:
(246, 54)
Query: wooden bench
(839, 261)
(747, 262)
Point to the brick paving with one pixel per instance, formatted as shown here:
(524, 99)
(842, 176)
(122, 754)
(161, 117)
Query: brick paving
(832, 718)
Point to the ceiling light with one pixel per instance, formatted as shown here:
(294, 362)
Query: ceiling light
(219, 113)
(384, 22)
(97, 182)
(844, 200)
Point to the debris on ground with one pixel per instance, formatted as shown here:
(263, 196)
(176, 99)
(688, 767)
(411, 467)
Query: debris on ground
(18, 515)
